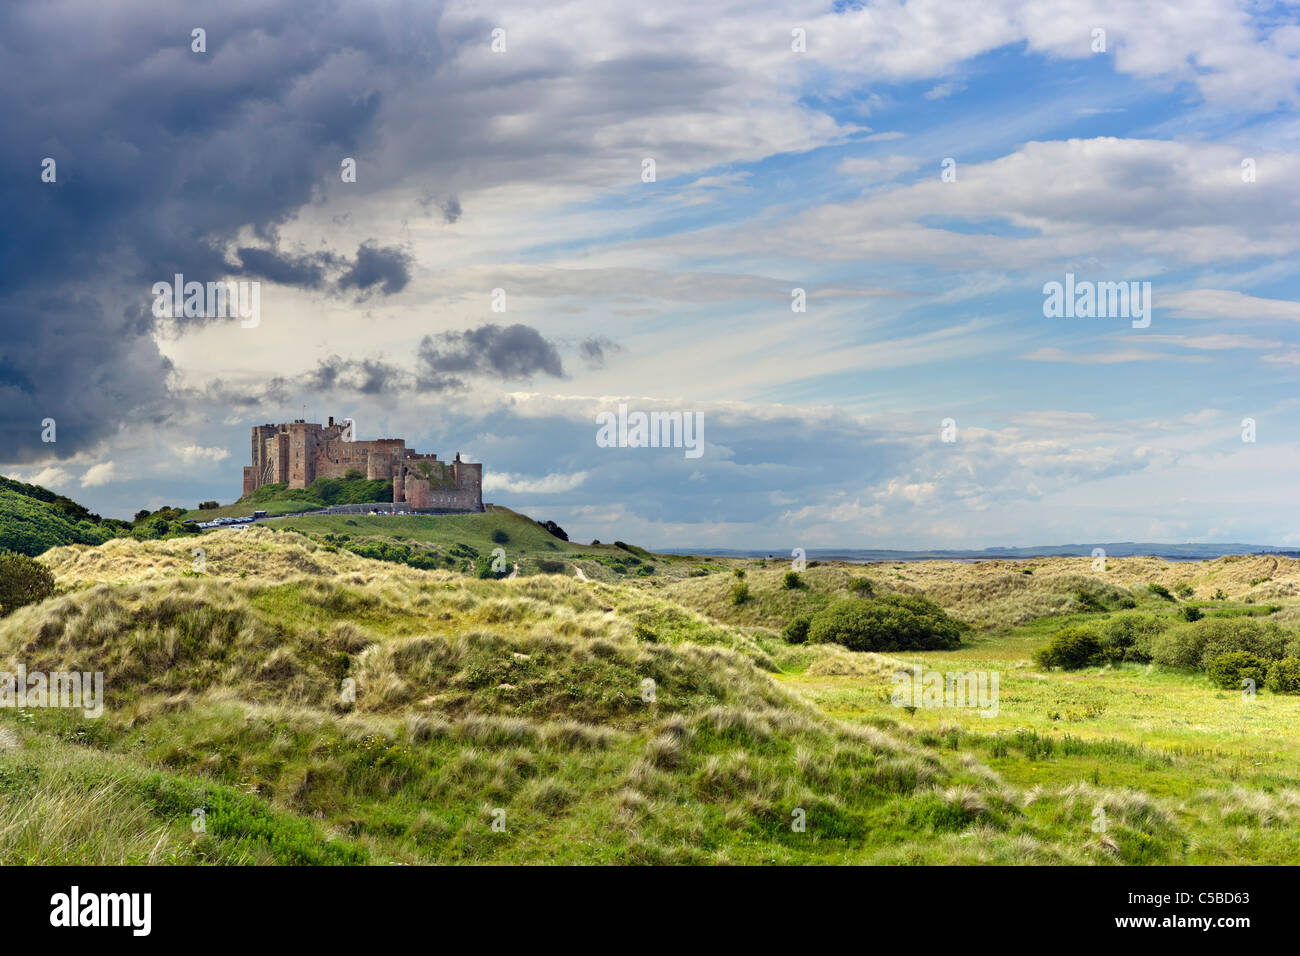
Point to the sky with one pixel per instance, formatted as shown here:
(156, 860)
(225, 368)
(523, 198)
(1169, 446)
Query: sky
(561, 208)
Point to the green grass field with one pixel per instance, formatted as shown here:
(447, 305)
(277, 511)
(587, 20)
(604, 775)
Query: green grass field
(321, 707)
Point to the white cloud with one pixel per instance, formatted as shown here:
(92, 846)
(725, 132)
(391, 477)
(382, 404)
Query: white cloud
(100, 474)
(522, 484)
(877, 170)
(192, 454)
(1227, 304)
(1105, 358)
(51, 476)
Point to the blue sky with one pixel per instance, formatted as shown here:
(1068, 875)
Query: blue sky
(775, 170)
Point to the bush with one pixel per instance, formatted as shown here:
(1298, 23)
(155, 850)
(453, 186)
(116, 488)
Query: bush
(1230, 669)
(792, 581)
(499, 536)
(1284, 676)
(558, 532)
(861, 587)
(483, 568)
(22, 582)
(1159, 590)
(208, 505)
(1070, 649)
(1127, 637)
(1088, 601)
(1183, 590)
(643, 632)
(1192, 613)
(739, 572)
(796, 632)
(892, 623)
(740, 593)
(1195, 644)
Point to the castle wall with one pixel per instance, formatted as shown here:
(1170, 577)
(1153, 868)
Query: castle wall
(297, 453)
(379, 465)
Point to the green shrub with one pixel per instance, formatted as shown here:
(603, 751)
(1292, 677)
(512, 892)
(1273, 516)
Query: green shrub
(643, 632)
(1183, 589)
(22, 582)
(892, 623)
(1284, 676)
(796, 632)
(1127, 637)
(1159, 590)
(739, 572)
(1191, 613)
(862, 587)
(1230, 669)
(792, 581)
(1088, 601)
(1196, 643)
(740, 593)
(483, 567)
(500, 537)
(1070, 649)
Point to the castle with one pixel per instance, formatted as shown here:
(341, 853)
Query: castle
(299, 452)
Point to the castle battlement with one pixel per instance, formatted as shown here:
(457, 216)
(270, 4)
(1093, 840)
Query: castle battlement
(297, 453)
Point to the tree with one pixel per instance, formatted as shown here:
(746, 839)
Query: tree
(22, 582)
(557, 531)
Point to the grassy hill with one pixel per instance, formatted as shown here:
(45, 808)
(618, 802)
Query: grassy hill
(279, 499)
(34, 519)
(455, 539)
(525, 703)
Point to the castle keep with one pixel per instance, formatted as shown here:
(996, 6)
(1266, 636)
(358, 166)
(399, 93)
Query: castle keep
(299, 452)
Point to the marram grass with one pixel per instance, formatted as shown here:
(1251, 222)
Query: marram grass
(547, 719)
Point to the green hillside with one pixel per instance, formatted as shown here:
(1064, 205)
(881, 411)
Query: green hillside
(34, 519)
(455, 540)
(279, 498)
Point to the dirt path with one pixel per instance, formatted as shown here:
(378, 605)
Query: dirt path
(578, 571)
(514, 573)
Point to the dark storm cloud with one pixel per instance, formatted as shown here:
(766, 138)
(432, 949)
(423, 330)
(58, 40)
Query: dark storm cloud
(217, 394)
(593, 350)
(306, 271)
(512, 352)
(366, 376)
(387, 267)
(163, 156)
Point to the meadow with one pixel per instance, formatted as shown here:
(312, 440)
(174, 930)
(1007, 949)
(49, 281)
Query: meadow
(309, 705)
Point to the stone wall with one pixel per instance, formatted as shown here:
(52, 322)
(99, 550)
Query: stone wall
(299, 452)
